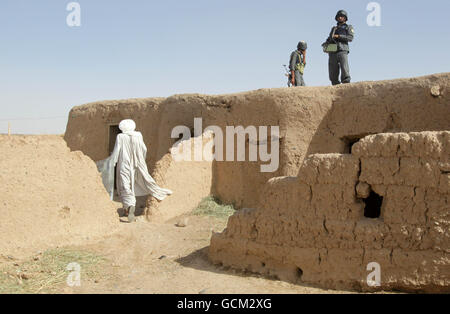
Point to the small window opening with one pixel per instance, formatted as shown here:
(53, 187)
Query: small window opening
(299, 273)
(373, 205)
(351, 140)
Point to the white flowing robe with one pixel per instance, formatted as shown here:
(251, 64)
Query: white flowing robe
(132, 174)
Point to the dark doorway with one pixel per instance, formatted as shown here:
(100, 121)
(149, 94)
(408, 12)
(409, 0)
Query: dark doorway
(113, 132)
(373, 205)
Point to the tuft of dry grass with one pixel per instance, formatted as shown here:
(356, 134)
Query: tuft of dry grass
(47, 272)
(211, 206)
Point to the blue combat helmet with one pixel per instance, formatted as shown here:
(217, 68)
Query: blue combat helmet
(342, 13)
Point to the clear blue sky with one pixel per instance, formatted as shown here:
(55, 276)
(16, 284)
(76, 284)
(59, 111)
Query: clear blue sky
(146, 48)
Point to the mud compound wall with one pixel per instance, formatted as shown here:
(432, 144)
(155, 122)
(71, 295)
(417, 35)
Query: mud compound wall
(311, 120)
(313, 228)
(88, 128)
(189, 181)
(49, 196)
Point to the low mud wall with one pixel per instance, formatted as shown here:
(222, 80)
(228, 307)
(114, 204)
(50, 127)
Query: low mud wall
(387, 203)
(310, 119)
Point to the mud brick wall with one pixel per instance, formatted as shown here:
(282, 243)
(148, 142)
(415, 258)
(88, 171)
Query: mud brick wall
(311, 120)
(312, 228)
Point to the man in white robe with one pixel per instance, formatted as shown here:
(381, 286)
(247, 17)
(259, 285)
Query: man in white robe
(132, 174)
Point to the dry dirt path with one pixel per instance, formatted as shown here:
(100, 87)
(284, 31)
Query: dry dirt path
(162, 258)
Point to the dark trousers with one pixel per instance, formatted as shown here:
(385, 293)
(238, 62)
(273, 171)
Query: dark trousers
(338, 62)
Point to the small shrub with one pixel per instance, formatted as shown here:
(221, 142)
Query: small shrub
(211, 206)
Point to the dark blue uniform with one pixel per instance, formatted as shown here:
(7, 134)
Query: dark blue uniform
(338, 61)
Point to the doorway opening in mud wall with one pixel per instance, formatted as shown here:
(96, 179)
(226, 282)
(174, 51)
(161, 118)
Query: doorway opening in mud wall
(112, 135)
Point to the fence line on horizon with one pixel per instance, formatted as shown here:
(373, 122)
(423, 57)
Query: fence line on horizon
(32, 119)
(10, 125)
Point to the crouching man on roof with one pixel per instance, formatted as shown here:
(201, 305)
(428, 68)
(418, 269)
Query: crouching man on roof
(132, 174)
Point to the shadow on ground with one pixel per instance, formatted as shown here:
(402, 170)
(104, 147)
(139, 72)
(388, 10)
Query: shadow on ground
(199, 260)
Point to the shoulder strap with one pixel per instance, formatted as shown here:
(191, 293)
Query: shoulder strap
(331, 39)
(299, 56)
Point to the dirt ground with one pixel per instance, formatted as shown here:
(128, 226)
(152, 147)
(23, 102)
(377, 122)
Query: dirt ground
(162, 258)
(144, 258)
(53, 227)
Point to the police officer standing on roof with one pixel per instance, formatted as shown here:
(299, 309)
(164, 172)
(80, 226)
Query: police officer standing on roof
(341, 34)
(297, 64)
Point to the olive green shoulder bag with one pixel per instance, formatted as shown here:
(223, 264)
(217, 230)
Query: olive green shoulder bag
(330, 47)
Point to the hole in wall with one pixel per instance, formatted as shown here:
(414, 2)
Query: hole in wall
(299, 273)
(351, 140)
(373, 205)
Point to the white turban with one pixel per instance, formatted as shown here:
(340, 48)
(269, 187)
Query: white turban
(127, 125)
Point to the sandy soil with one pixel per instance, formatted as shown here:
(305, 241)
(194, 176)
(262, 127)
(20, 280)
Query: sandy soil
(163, 258)
(49, 196)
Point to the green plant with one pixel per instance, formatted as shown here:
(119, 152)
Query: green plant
(211, 206)
(47, 272)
